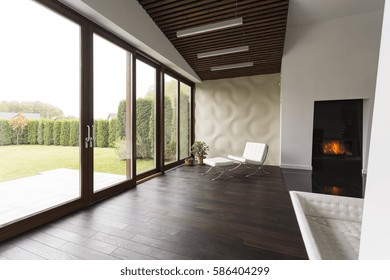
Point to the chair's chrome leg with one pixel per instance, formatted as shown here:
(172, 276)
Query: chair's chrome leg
(223, 172)
(238, 165)
(257, 170)
(265, 172)
(208, 170)
(246, 166)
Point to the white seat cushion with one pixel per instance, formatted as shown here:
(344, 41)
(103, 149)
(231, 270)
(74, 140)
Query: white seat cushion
(236, 158)
(330, 225)
(218, 161)
(336, 239)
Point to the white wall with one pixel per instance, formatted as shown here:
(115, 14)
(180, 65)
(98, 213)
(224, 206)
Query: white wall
(230, 112)
(329, 60)
(128, 20)
(375, 237)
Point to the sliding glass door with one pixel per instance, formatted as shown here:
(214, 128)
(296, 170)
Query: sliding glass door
(82, 114)
(171, 86)
(111, 100)
(145, 117)
(185, 120)
(39, 110)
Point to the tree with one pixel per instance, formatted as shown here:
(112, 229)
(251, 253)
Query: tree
(112, 135)
(45, 110)
(121, 119)
(74, 133)
(65, 132)
(18, 124)
(40, 133)
(5, 133)
(143, 115)
(102, 133)
(57, 133)
(32, 129)
(48, 128)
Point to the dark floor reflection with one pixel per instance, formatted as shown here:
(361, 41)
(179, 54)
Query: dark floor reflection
(325, 181)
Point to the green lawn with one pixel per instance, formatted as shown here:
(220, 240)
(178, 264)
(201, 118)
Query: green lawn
(28, 160)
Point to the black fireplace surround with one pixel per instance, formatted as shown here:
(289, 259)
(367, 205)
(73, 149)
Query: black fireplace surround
(337, 147)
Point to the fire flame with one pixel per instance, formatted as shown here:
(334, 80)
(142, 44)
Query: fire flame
(335, 190)
(333, 148)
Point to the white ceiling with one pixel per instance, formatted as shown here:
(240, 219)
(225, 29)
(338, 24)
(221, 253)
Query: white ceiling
(310, 11)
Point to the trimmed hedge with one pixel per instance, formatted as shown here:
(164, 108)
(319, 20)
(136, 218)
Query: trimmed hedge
(57, 133)
(65, 133)
(48, 127)
(143, 115)
(6, 133)
(108, 133)
(102, 133)
(74, 133)
(113, 133)
(32, 132)
(40, 135)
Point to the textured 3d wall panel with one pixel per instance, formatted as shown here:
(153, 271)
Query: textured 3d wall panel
(230, 112)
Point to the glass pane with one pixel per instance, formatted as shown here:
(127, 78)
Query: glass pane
(112, 138)
(39, 109)
(170, 122)
(145, 117)
(185, 120)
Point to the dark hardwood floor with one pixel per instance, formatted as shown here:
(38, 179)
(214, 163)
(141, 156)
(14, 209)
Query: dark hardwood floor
(181, 215)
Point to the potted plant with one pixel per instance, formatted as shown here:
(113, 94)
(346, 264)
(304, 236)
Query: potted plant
(199, 149)
(189, 161)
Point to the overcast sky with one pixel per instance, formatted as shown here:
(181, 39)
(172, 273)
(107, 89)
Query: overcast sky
(40, 61)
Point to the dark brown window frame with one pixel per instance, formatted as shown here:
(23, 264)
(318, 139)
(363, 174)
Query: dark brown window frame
(88, 197)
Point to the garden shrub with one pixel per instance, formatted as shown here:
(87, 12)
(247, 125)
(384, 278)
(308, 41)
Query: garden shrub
(112, 133)
(102, 133)
(40, 134)
(32, 131)
(65, 133)
(48, 130)
(74, 133)
(120, 147)
(57, 132)
(144, 108)
(5, 133)
(121, 115)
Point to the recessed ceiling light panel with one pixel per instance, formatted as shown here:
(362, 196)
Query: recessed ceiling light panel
(209, 27)
(231, 66)
(224, 51)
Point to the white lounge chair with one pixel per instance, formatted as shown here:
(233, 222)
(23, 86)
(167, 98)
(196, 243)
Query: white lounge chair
(254, 154)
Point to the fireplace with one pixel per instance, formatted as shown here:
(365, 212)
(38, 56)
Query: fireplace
(337, 144)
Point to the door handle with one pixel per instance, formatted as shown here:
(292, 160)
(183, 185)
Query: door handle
(92, 138)
(87, 139)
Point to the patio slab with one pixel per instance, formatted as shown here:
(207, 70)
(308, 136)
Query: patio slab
(26, 196)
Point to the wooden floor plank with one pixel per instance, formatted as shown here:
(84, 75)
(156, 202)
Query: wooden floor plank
(136, 247)
(90, 243)
(43, 250)
(180, 215)
(12, 252)
(85, 253)
(124, 254)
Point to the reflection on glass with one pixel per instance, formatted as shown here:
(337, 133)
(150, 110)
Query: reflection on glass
(145, 117)
(112, 141)
(185, 120)
(39, 110)
(170, 122)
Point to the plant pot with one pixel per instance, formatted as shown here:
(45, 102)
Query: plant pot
(200, 160)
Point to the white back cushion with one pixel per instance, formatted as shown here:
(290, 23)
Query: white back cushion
(255, 151)
(331, 206)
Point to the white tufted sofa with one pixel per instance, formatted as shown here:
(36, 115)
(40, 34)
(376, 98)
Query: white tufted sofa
(330, 225)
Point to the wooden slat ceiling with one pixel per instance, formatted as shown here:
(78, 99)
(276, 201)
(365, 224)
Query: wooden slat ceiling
(263, 30)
